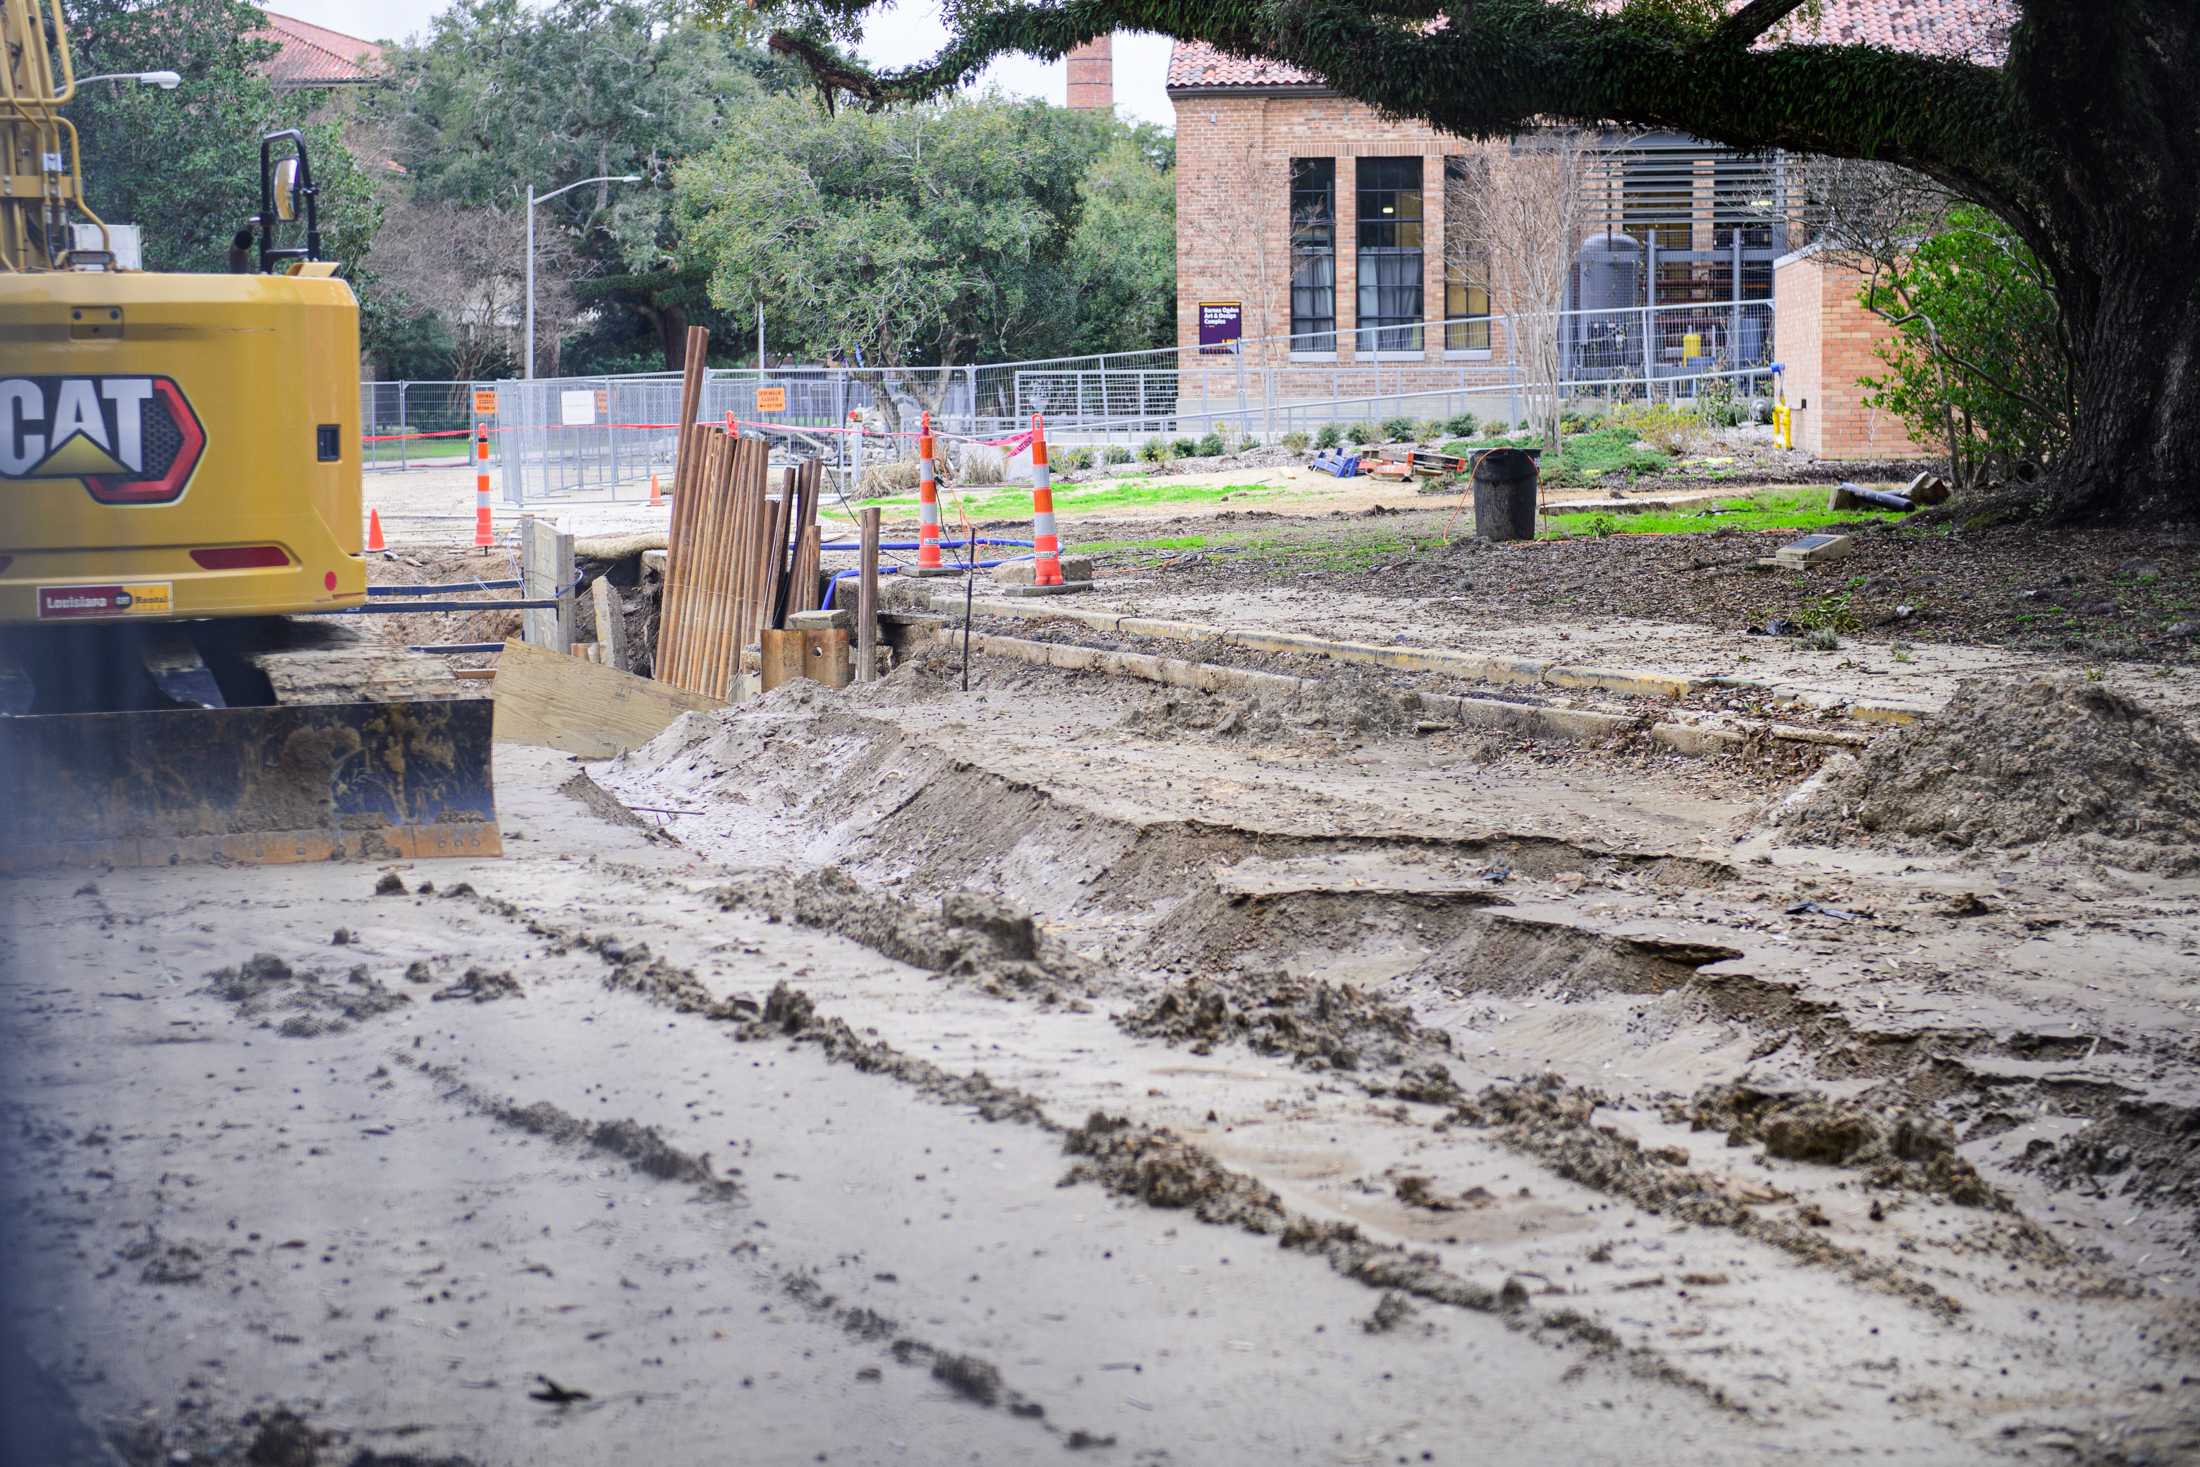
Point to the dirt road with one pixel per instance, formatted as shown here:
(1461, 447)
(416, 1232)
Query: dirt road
(1078, 1064)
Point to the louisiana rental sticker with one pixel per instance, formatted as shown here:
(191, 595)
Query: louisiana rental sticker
(143, 598)
(125, 440)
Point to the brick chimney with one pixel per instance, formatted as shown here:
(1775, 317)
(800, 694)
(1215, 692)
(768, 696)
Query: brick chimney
(1092, 75)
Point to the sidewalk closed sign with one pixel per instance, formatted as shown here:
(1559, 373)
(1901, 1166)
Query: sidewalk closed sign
(771, 399)
(1221, 323)
(485, 402)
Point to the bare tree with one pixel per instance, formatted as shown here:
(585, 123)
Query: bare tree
(1513, 217)
(467, 267)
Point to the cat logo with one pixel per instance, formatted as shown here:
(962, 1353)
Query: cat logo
(127, 440)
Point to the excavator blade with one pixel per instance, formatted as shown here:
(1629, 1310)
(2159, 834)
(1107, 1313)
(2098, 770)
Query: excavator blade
(395, 780)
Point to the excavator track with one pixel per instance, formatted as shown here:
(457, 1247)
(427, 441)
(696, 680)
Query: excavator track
(129, 747)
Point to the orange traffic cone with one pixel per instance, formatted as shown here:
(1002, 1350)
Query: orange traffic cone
(374, 531)
(656, 495)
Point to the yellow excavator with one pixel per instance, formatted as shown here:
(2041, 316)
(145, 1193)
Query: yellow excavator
(180, 509)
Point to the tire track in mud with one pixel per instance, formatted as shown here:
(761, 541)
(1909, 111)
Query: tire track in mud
(646, 1151)
(1147, 1164)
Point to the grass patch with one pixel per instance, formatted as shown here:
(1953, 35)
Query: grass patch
(1801, 508)
(415, 450)
(1584, 458)
(1086, 499)
(1346, 553)
(1132, 547)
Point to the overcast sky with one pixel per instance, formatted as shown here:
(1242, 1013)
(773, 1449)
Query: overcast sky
(909, 32)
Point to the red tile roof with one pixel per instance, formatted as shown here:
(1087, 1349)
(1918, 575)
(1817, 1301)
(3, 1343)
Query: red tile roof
(315, 56)
(1978, 29)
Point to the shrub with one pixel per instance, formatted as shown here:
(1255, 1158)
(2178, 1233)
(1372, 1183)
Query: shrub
(1576, 422)
(1717, 405)
(1461, 425)
(1155, 451)
(1979, 366)
(980, 466)
(1361, 434)
(1184, 448)
(1663, 426)
(897, 477)
(1329, 436)
(1395, 429)
(1429, 430)
(1295, 441)
(1115, 453)
(1071, 460)
(1212, 446)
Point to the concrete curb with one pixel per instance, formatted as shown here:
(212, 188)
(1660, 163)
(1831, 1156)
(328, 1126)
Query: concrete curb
(1573, 724)
(1472, 666)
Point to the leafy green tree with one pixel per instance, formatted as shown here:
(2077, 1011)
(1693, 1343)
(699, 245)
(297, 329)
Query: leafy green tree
(934, 235)
(1981, 365)
(2079, 130)
(502, 95)
(185, 165)
(1122, 254)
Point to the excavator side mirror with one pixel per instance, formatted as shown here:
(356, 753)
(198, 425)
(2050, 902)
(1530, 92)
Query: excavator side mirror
(286, 189)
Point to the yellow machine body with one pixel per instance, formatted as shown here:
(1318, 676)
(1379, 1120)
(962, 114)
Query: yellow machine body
(161, 435)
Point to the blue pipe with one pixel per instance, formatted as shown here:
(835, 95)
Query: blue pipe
(888, 570)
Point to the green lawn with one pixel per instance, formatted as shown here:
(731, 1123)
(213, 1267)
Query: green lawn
(415, 450)
(1802, 508)
(996, 503)
(1584, 457)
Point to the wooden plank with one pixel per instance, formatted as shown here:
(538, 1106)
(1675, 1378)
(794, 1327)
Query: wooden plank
(545, 570)
(563, 702)
(679, 563)
(825, 657)
(473, 674)
(781, 660)
(867, 600)
(610, 622)
(720, 612)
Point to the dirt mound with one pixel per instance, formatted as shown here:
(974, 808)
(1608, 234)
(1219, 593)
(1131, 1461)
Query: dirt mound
(1161, 1170)
(970, 934)
(301, 1004)
(1321, 1026)
(2059, 759)
(2146, 1150)
(1903, 1150)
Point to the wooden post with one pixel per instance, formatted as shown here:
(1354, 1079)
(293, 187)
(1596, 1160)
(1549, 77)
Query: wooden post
(867, 601)
(546, 570)
(610, 623)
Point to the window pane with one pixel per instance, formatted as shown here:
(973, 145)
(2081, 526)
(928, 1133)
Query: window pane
(1466, 269)
(1313, 254)
(1389, 215)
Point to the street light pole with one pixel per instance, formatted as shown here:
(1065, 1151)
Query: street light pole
(532, 200)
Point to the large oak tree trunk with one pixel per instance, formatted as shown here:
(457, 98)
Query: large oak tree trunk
(2113, 86)
(2136, 452)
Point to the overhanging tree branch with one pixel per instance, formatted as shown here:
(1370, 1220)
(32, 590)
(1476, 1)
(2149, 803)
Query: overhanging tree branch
(1753, 20)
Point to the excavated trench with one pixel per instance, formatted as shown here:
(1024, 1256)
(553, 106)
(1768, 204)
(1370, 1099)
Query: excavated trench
(1241, 903)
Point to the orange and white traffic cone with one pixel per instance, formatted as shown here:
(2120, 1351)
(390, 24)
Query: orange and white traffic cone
(928, 504)
(484, 534)
(1047, 567)
(374, 532)
(656, 495)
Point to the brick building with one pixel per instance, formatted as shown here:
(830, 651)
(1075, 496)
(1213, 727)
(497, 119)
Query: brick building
(1318, 232)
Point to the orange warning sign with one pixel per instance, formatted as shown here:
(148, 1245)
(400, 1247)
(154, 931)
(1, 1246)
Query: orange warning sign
(771, 399)
(485, 403)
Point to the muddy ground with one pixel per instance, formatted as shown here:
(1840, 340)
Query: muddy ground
(1077, 1064)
